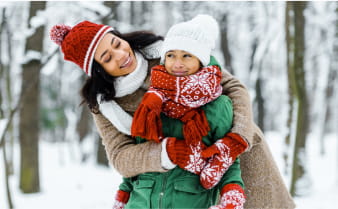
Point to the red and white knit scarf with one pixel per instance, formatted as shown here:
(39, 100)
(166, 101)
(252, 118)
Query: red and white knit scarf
(177, 97)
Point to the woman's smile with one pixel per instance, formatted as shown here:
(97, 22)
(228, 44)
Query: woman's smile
(128, 62)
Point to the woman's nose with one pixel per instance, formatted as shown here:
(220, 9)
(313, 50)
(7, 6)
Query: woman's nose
(118, 54)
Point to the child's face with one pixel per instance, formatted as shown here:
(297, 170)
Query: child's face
(181, 63)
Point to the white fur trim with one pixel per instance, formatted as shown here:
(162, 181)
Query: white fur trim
(165, 160)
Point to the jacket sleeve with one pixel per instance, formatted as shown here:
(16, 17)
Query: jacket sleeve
(128, 158)
(243, 120)
(126, 185)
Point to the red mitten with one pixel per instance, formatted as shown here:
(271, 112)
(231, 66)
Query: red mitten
(187, 157)
(146, 120)
(121, 199)
(222, 155)
(232, 197)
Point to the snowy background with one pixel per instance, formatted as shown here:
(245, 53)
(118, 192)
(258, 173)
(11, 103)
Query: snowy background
(70, 182)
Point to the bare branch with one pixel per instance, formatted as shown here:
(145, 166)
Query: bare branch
(10, 118)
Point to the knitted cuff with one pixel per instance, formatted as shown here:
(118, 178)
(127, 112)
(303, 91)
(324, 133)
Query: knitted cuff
(171, 149)
(177, 150)
(238, 138)
(229, 187)
(236, 144)
(122, 196)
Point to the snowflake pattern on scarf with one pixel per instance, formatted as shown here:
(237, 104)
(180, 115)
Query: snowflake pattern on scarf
(198, 89)
(181, 94)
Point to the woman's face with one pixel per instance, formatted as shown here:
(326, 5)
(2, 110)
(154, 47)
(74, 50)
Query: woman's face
(115, 56)
(181, 63)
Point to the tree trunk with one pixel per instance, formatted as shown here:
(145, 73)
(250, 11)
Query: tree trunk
(299, 155)
(2, 66)
(83, 123)
(132, 12)
(3, 71)
(101, 156)
(289, 39)
(225, 45)
(29, 112)
(7, 173)
(260, 103)
(9, 99)
(334, 65)
(112, 14)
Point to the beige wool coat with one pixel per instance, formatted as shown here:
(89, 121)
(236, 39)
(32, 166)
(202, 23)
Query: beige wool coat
(264, 186)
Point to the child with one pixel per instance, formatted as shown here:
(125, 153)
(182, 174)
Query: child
(184, 102)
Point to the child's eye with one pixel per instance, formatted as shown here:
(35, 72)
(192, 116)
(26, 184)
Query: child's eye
(169, 55)
(187, 55)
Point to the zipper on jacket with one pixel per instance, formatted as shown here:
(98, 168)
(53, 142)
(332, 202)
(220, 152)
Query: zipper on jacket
(164, 182)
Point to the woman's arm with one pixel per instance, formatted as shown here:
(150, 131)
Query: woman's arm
(128, 158)
(243, 120)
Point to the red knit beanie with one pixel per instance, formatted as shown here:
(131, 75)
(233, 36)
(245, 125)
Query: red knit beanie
(79, 43)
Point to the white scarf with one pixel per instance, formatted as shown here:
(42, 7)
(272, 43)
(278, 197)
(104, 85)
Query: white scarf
(125, 85)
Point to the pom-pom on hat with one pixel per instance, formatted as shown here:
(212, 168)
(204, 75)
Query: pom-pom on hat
(197, 36)
(79, 43)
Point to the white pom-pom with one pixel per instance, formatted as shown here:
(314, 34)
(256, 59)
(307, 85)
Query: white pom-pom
(209, 24)
(58, 32)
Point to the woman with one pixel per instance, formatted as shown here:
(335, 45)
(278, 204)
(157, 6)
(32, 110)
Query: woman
(118, 66)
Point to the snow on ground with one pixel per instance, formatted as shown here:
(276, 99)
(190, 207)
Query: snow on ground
(68, 184)
(322, 170)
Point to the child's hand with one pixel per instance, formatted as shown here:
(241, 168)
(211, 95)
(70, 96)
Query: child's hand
(222, 155)
(232, 197)
(187, 157)
(121, 199)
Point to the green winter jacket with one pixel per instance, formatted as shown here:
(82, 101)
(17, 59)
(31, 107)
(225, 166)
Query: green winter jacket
(178, 188)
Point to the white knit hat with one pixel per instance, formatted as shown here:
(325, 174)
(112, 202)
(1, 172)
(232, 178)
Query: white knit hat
(197, 36)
